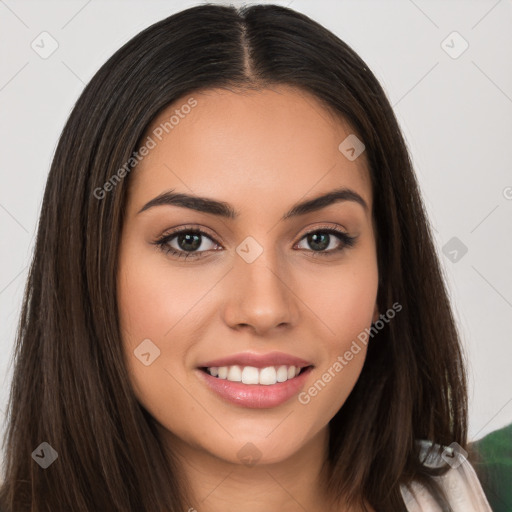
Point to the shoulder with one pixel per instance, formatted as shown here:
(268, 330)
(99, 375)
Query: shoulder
(460, 483)
(493, 465)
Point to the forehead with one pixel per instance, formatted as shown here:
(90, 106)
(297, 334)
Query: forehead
(262, 146)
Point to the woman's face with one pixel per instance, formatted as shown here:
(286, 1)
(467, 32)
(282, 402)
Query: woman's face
(255, 284)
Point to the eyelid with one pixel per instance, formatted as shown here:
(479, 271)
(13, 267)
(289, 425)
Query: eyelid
(162, 242)
(344, 237)
(321, 227)
(187, 228)
(195, 227)
(347, 241)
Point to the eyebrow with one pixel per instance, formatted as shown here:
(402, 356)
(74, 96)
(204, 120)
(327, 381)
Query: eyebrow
(223, 209)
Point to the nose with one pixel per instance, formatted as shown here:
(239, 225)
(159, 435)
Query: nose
(260, 296)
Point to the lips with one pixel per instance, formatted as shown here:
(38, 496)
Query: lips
(252, 394)
(257, 360)
(256, 396)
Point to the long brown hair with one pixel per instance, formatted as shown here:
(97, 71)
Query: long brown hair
(71, 388)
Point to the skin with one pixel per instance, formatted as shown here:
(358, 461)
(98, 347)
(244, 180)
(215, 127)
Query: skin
(261, 152)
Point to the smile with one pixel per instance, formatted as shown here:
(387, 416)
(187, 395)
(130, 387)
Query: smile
(251, 375)
(256, 388)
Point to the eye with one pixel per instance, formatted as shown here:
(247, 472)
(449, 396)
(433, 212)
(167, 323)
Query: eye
(187, 244)
(321, 239)
(193, 242)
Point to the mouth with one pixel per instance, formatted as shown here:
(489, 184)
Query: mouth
(252, 387)
(251, 375)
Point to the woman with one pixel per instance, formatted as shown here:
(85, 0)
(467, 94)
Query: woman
(235, 301)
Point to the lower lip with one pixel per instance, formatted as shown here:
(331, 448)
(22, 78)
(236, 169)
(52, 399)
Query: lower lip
(256, 396)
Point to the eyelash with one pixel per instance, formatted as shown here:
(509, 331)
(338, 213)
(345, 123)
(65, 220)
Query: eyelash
(163, 242)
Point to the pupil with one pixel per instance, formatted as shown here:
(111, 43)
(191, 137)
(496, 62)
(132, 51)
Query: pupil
(317, 241)
(313, 240)
(193, 239)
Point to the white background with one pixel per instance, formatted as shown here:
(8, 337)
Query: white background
(455, 114)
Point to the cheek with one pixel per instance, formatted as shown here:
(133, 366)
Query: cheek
(153, 300)
(344, 303)
(163, 306)
(343, 300)
(343, 358)
(148, 310)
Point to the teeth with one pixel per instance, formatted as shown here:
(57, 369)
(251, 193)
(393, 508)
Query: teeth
(268, 376)
(251, 375)
(282, 373)
(235, 374)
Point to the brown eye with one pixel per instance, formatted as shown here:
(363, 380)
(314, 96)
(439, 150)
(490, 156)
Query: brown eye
(185, 243)
(322, 239)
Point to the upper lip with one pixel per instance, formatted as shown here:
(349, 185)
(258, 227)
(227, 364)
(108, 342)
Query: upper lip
(257, 360)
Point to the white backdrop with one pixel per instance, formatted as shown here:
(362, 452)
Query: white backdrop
(446, 67)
